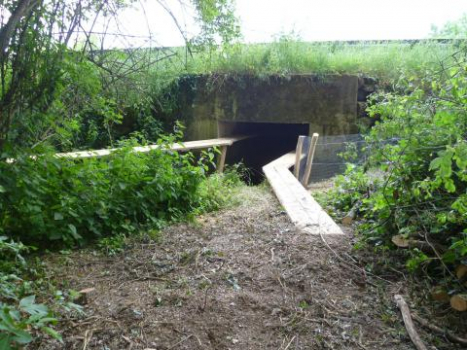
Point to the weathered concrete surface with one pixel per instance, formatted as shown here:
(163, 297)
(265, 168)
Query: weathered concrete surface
(327, 104)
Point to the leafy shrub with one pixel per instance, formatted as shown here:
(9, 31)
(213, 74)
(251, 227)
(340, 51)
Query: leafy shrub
(112, 245)
(20, 315)
(51, 200)
(422, 194)
(17, 320)
(218, 189)
(349, 189)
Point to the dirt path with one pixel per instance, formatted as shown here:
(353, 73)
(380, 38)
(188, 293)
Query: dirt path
(238, 279)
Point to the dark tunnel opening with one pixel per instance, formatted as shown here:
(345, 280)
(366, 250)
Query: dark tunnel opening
(268, 141)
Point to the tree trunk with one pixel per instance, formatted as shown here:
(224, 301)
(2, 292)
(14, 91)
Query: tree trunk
(22, 10)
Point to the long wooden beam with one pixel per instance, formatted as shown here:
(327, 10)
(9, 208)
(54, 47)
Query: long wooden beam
(303, 210)
(183, 146)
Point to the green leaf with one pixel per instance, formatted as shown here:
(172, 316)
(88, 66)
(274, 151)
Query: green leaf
(53, 333)
(28, 305)
(22, 337)
(58, 216)
(449, 186)
(449, 257)
(444, 119)
(5, 342)
(74, 232)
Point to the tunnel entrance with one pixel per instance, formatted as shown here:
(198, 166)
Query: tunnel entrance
(268, 142)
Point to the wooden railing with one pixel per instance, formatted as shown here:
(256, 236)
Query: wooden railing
(223, 143)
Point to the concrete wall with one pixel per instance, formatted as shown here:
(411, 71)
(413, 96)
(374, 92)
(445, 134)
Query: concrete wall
(327, 104)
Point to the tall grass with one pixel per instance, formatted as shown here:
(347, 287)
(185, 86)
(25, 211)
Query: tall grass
(385, 60)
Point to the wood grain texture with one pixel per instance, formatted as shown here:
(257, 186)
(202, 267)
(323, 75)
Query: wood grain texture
(303, 210)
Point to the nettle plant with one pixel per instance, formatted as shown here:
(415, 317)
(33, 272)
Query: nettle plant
(17, 321)
(47, 201)
(21, 316)
(50, 201)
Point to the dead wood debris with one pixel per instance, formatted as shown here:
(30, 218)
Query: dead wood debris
(409, 326)
(237, 279)
(452, 337)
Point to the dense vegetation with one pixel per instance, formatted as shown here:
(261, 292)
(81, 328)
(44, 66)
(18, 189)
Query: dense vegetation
(58, 94)
(288, 54)
(61, 201)
(411, 192)
(50, 202)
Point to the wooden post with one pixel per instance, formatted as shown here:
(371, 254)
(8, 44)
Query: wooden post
(309, 159)
(298, 156)
(221, 160)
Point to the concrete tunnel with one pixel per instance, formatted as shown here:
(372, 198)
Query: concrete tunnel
(274, 110)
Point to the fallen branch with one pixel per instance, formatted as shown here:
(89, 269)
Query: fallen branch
(439, 293)
(459, 302)
(409, 326)
(452, 337)
(402, 242)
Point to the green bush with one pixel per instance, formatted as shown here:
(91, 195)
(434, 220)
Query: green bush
(422, 195)
(20, 315)
(47, 200)
(349, 189)
(52, 202)
(218, 190)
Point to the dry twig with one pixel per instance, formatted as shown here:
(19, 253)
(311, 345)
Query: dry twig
(352, 264)
(409, 326)
(452, 337)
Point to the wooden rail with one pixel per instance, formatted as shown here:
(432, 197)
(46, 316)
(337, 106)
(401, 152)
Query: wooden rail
(223, 143)
(183, 146)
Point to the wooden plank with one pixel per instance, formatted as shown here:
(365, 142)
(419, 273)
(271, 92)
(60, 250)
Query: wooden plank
(298, 156)
(221, 161)
(309, 160)
(303, 210)
(185, 146)
(289, 199)
(285, 161)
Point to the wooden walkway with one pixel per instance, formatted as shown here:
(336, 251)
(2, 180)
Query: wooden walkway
(301, 207)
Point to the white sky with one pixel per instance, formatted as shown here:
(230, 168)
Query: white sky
(312, 20)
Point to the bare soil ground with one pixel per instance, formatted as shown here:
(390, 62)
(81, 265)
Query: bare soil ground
(241, 278)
